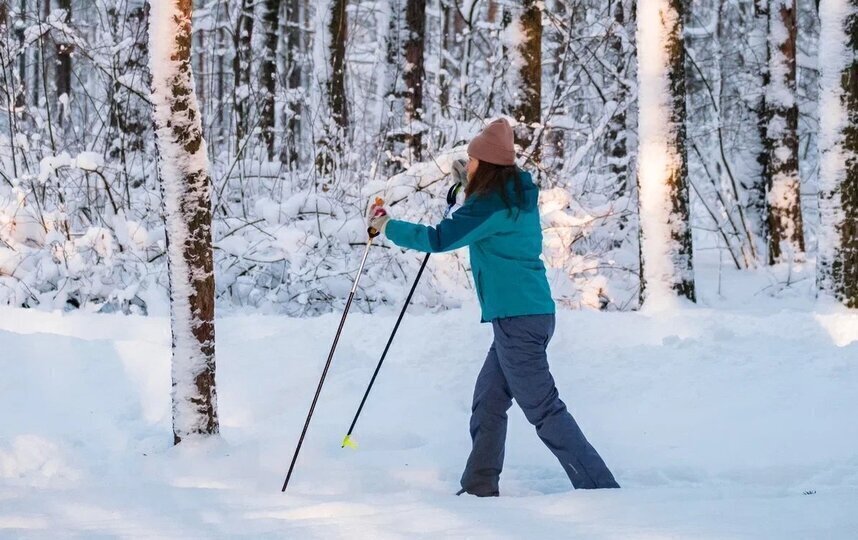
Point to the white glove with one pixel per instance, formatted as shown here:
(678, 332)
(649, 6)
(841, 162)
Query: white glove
(459, 170)
(378, 218)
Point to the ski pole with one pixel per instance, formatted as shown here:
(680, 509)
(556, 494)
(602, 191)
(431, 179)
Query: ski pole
(347, 440)
(372, 233)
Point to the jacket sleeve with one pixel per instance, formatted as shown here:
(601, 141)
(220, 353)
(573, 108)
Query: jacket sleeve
(472, 222)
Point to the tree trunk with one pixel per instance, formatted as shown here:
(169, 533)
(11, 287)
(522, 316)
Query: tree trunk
(755, 185)
(837, 273)
(268, 73)
(528, 107)
(786, 235)
(129, 119)
(294, 47)
(414, 74)
(615, 133)
(665, 231)
(63, 71)
(331, 143)
(393, 107)
(405, 47)
(186, 187)
(448, 12)
(241, 62)
(337, 82)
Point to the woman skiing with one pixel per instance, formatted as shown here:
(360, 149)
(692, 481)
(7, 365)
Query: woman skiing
(499, 222)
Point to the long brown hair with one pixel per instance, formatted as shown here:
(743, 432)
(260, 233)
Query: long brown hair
(490, 178)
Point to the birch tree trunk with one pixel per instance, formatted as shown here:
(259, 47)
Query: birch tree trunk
(837, 273)
(665, 233)
(786, 235)
(183, 166)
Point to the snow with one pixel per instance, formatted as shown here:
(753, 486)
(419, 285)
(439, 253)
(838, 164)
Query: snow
(89, 161)
(49, 164)
(85, 161)
(716, 420)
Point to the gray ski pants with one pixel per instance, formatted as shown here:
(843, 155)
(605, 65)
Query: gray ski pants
(517, 367)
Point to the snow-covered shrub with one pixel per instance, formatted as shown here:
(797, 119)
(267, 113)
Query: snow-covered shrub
(51, 260)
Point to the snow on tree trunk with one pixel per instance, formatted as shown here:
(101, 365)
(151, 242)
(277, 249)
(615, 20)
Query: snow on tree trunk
(268, 73)
(338, 32)
(186, 187)
(330, 61)
(665, 232)
(392, 109)
(241, 62)
(525, 41)
(786, 235)
(755, 185)
(413, 73)
(838, 145)
(63, 73)
(615, 133)
(293, 51)
(404, 99)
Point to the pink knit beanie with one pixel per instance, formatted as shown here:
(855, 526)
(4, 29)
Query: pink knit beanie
(494, 144)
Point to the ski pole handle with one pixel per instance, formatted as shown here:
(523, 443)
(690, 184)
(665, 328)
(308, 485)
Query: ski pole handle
(452, 192)
(372, 231)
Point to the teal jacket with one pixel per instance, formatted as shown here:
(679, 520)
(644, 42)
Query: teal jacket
(505, 247)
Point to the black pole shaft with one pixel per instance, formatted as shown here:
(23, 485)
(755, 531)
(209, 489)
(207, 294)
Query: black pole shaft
(327, 366)
(387, 346)
(451, 201)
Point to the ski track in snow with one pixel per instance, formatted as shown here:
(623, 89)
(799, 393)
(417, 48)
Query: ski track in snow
(715, 422)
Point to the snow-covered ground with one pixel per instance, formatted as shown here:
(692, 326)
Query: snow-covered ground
(719, 422)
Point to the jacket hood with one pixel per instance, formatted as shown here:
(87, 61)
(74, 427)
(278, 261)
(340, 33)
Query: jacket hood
(530, 192)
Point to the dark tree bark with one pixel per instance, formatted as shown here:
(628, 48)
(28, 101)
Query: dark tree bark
(786, 234)
(130, 120)
(678, 180)
(615, 134)
(528, 109)
(8, 81)
(414, 74)
(665, 232)
(755, 186)
(448, 12)
(405, 48)
(337, 84)
(293, 69)
(241, 62)
(845, 268)
(186, 187)
(268, 74)
(64, 49)
(838, 251)
(331, 142)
